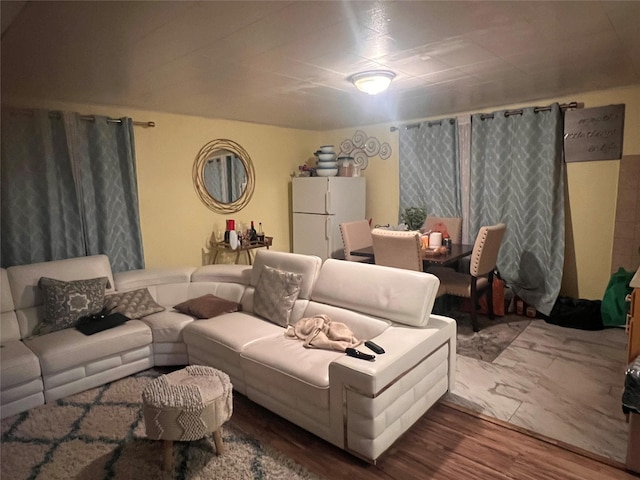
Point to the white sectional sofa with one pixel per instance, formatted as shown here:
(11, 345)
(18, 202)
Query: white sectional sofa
(360, 406)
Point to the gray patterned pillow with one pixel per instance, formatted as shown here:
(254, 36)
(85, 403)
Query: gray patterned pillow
(275, 295)
(134, 304)
(66, 302)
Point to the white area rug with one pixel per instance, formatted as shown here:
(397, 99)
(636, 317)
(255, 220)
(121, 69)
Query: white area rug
(99, 434)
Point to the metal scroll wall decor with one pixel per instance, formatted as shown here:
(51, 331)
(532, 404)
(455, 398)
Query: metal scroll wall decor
(361, 148)
(223, 176)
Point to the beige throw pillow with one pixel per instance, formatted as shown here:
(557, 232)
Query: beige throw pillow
(207, 306)
(134, 304)
(275, 295)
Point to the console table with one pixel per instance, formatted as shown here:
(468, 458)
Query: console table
(245, 247)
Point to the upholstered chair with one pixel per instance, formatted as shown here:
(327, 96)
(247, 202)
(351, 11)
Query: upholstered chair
(480, 277)
(399, 249)
(453, 224)
(355, 235)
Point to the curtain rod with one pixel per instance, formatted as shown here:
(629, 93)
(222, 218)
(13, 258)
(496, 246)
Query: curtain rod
(88, 118)
(416, 125)
(92, 118)
(519, 111)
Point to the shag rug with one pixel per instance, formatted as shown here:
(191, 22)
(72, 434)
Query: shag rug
(99, 434)
(492, 339)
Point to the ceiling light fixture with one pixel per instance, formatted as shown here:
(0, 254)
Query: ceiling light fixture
(372, 81)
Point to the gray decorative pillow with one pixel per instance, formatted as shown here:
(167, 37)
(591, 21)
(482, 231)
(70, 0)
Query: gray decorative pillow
(66, 302)
(275, 295)
(207, 306)
(134, 304)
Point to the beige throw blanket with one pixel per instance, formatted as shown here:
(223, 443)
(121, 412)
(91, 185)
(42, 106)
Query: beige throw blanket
(320, 332)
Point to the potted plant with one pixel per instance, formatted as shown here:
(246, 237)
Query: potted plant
(413, 217)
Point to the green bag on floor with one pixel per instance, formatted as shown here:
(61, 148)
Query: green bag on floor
(614, 307)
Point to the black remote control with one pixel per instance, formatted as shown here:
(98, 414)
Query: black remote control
(352, 352)
(374, 346)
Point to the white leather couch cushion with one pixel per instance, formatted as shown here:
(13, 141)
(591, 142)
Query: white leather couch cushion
(134, 279)
(167, 326)
(288, 357)
(69, 348)
(396, 294)
(223, 273)
(306, 265)
(218, 342)
(404, 347)
(173, 285)
(364, 327)
(232, 330)
(24, 278)
(9, 329)
(18, 364)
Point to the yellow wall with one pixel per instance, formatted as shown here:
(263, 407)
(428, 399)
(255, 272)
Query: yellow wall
(176, 225)
(382, 175)
(592, 191)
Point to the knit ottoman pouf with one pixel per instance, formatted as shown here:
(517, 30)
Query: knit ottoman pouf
(187, 405)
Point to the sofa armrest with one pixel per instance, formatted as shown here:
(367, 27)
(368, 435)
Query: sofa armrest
(373, 403)
(404, 349)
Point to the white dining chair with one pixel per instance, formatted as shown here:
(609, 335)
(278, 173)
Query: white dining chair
(452, 224)
(398, 249)
(355, 235)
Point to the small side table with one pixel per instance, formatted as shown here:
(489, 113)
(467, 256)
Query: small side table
(187, 405)
(247, 247)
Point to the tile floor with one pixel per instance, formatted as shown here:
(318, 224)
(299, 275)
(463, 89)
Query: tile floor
(559, 382)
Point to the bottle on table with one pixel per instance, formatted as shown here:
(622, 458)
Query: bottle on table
(253, 235)
(446, 242)
(233, 239)
(231, 225)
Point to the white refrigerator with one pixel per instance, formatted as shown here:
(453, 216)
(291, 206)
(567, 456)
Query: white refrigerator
(319, 206)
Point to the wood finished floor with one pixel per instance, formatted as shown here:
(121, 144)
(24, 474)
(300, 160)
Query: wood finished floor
(445, 444)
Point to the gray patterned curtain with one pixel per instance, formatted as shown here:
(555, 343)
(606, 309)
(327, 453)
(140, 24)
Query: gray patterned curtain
(429, 168)
(103, 154)
(40, 219)
(517, 177)
(95, 176)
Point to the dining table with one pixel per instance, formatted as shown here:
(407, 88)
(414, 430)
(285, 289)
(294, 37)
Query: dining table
(458, 251)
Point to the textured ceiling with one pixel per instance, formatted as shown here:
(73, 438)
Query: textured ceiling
(287, 63)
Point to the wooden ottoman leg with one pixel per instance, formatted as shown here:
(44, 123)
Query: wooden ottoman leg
(217, 439)
(167, 463)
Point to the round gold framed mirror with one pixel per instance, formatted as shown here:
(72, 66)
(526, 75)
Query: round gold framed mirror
(223, 176)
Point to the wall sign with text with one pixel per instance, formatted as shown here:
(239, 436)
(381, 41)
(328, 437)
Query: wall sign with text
(593, 133)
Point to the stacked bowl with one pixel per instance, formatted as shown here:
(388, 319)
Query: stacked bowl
(327, 164)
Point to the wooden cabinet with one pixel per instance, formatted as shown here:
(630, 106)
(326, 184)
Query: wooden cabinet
(633, 350)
